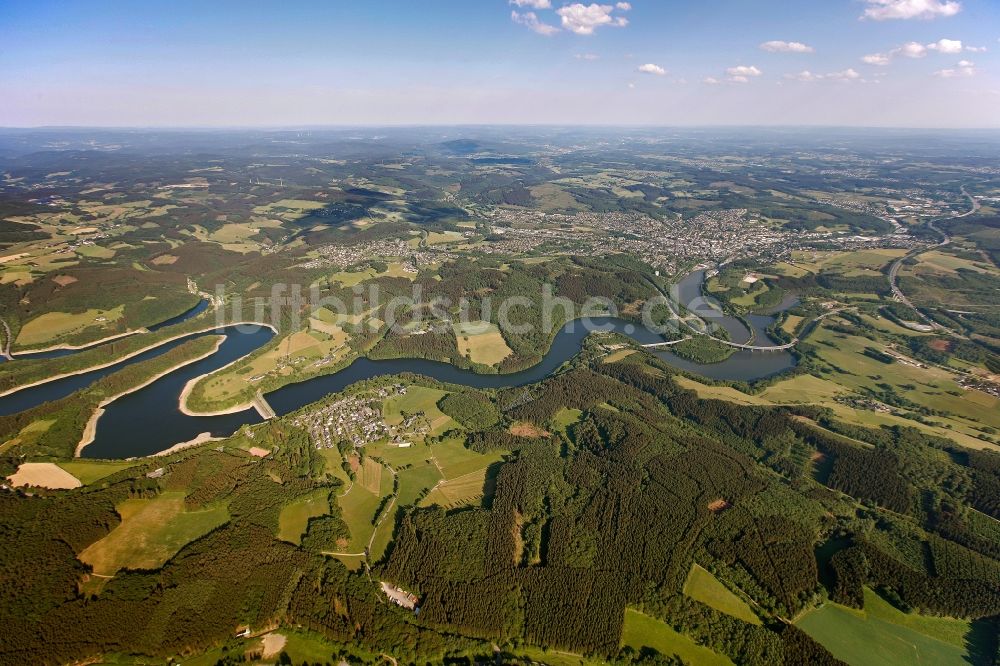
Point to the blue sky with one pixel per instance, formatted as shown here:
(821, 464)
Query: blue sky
(915, 63)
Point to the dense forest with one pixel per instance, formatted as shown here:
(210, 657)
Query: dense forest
(606, 513)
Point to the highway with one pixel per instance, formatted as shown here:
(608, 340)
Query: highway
(898, 295)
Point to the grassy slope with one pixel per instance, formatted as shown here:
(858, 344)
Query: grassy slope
(150, 533)
(881, 634)
(702, 586)
(295, 515)
(641, 630)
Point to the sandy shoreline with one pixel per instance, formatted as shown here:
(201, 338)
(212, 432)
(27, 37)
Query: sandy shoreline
(200, 439)
(90, 431)
(84, 371)
(189, 386)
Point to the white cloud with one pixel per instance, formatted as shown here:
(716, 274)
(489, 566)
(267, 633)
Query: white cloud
(742, 73)
(650, 68)
(534, 4)
(804, 75)
(946, 46)
(624, 6)
(845, 76)
(584, 19)
(881, 10)
(911, 50)
(778, 46)
(880, 59)
(962, 70)
(531, 21)
(738, 74)
(587, 56)
(918, 50)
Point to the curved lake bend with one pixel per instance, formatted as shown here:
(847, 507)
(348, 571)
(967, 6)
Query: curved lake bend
(149, 420)
(742, 365)
(60, 388)
(58, 353)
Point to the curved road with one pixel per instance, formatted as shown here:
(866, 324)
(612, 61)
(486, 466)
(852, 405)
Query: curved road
(898, 295)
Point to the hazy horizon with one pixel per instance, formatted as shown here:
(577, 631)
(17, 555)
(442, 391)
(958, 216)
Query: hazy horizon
(844, 63)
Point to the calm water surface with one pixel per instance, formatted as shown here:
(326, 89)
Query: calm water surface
(149, 420)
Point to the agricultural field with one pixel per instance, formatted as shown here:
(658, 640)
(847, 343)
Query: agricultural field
(50, 327)
(455, 460)
(90, 471)
(881, 634)
(294, 517)
(289, 210)
(618, 355)
(938, 261)
(151, 531)
(396, 269)
(304, 351)
(361, 503)
(458, 491)
(808, 389)
(481, 342)
(418, 400)
(415, 481)
(641, 630)
(930, 387)
(237, 236)
(43, 475)
(791, 324)
(849, 264)
(564, 418)
(702, 586)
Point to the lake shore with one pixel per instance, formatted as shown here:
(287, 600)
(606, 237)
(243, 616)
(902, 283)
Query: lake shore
(189, 386)
(200, 439)
(90, 430)
(92, 368)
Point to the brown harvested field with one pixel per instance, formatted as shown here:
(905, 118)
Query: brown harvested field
(482, 342)
(354, 462)
(257, 451)
(327, 327)
(44, 475)
(718, 506)
(939, 345)
(528, 430)
(64, 280)
(459, 491)
(272, 645)
(618, 355)
(370, 476)
(296, 342)
(164, 260)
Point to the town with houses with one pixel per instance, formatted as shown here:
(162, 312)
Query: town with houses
(358, 420)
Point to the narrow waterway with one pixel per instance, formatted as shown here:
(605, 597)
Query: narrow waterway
(59, 353)
(742, 365)
(149, 420)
